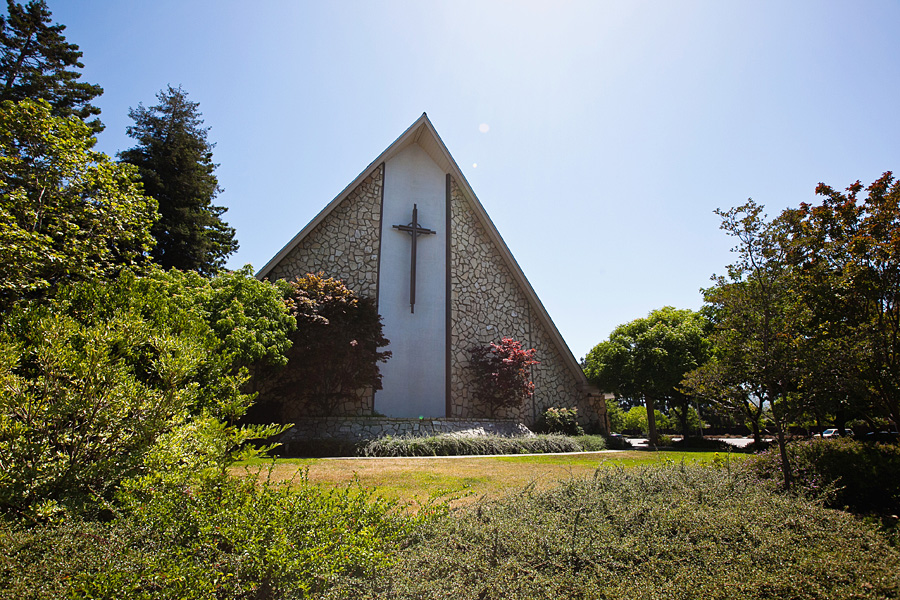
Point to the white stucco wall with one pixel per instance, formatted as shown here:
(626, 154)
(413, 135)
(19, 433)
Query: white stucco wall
(414, 377)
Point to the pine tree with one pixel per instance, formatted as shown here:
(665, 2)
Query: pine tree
(36, 63)
(174, 159)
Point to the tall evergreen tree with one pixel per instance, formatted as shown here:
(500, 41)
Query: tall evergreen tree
(174, 159)
(37, 63)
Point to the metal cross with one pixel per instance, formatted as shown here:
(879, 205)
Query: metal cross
(415, 231)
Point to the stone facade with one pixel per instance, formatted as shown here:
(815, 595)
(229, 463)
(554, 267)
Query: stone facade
(487, 305)
(556, 386)
(345, 245)
(486, 301)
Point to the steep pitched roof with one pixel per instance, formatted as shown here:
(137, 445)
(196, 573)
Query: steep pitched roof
(423, 133)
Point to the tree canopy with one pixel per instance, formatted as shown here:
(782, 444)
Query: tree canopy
(37, 63)
(847, 251)
(647, 358)
(758, 322)
(67, 212)
(174, 159)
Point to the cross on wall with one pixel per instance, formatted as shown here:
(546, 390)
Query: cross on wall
(414, 230)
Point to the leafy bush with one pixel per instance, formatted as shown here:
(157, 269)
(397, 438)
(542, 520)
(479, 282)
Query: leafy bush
(449, 444)
(502, 374)
(223, 538)
(636, 420)
(90, 379)
(559, 420)
(616, 415)
(618, 442)
(335, 353)
(673, 533)
(664, 440)
(844, 472)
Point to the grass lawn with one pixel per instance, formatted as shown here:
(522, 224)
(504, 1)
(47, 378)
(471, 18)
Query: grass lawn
(418, 481)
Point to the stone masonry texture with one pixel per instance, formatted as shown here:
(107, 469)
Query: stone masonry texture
(345, 246)
(487, 305)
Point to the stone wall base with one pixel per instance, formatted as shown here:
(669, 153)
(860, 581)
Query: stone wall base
(353, 430)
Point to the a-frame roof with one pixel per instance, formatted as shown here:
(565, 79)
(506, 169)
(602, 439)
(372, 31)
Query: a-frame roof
(423, 133)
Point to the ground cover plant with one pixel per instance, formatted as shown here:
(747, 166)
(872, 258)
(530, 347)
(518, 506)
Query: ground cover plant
(673, 532)
(224, 538)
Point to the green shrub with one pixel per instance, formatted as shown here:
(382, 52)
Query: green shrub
(664, 440)
(762, 446)
(474, 445)
(862, 477)
(616, 415)
(226, 538)
(636, 420)
(559, 420)
(591, 443)
(90, 379)
(666, 533)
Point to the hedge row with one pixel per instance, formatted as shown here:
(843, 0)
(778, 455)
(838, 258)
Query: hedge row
(456, 445)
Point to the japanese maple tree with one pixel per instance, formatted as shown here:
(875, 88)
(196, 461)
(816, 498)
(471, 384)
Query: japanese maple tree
(503, 374)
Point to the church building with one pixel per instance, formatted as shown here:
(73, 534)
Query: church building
(410, 233)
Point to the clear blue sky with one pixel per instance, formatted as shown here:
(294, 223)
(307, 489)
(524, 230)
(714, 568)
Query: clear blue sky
(613, 128)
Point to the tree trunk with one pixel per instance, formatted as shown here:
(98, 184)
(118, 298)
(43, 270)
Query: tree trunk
(757, 438)
(683, 417)
(782, 447)
(651, 420)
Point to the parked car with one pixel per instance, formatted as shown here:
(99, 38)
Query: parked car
(831, 433)
(890, 437)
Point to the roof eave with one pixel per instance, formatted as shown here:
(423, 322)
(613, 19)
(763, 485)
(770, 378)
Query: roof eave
(441, 155)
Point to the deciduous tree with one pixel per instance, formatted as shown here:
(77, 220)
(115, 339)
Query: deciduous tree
(502, 374)
(759, 322)
(847, 250)
(174, 159)
(647, 358)
(36, 62)
(67, 212)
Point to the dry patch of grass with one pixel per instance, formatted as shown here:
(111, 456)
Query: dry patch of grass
(417, 481)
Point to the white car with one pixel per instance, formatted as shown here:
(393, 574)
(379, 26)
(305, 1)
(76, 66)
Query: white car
(830, 433)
